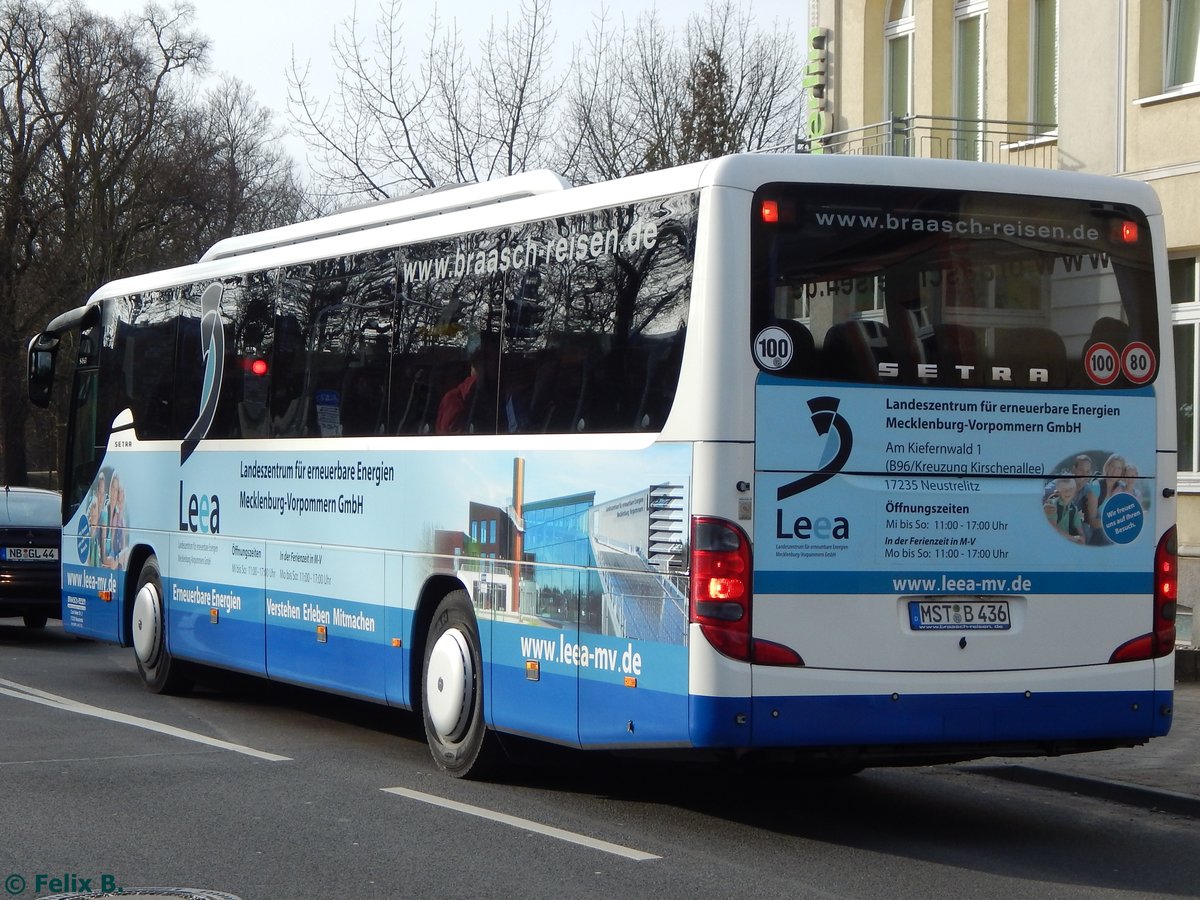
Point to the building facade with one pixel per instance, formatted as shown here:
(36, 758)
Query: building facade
(1110, 88)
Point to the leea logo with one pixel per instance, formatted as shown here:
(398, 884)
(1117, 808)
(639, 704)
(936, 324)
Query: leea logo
(839, 440)
(202, 513)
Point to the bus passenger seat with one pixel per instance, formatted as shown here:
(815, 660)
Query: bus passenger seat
(1027, 350)
(804, 349)
(954, 346)
(852, 350)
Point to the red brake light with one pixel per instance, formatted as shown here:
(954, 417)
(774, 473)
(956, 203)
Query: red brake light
(770, 211)
(259, 367)
(721, 594)
(1123, 232)
(1161, 640)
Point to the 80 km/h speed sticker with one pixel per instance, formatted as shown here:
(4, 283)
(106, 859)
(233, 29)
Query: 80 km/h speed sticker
(1137, 362)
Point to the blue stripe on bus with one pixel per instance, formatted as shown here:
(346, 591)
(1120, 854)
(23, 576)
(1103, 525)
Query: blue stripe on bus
(951, 583)
(929, 719)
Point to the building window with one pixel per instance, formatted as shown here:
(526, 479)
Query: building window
(1185, 317)
(898, 34)
(969, 78)
(1044, 58)
(1183, 35)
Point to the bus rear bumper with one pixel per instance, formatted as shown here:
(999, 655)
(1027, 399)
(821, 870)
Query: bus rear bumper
(903, 727)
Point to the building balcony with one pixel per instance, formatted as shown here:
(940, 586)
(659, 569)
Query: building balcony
(944, 137)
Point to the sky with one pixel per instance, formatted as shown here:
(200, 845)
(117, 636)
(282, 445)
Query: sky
(256, 40)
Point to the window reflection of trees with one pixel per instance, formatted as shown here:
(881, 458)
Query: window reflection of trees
(342, 346)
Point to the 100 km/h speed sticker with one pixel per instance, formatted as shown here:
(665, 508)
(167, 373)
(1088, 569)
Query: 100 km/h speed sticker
(773, 349)
(1102, 363)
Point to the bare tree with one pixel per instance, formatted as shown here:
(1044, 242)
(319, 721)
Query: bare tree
(258, 184)
(395, 125)
(58, 71)
(517, 92)
(110, 167)
(639, 100)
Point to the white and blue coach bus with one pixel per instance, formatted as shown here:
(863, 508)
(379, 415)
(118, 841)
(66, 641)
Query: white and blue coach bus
(861, 460)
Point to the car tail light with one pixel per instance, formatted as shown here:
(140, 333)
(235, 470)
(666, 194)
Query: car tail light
(1160, 641)
(721, 594)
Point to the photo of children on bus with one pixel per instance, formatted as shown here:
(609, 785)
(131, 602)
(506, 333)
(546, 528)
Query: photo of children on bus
(1073, 501)
(104, 509)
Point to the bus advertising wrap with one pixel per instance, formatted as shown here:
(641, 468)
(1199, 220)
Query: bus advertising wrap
(578, 582)
(866, 490)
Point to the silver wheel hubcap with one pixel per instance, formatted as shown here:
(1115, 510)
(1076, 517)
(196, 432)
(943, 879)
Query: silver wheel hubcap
(449, 682)
(147, 623)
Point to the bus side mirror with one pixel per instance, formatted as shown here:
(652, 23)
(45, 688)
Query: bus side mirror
(42, 351)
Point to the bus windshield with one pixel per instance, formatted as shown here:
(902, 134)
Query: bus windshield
(921, 286)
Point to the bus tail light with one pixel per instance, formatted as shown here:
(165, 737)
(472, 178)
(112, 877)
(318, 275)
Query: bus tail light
(721, 594)
(1161, 640)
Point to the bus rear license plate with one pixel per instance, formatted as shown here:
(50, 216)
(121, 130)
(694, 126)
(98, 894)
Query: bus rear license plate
(950, 614)
(28, 554)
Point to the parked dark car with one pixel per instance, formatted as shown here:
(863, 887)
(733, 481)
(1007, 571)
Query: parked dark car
(30, 538)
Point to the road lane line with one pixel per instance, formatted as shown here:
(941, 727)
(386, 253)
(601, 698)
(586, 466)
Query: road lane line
(54, 701)
(525, 824)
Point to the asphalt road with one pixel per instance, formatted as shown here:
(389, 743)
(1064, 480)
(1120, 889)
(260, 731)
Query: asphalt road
(268, 791)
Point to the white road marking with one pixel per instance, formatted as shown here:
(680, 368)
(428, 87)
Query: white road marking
(33, 695)
(526, 824)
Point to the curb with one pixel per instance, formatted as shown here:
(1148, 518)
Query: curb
(1154, 799)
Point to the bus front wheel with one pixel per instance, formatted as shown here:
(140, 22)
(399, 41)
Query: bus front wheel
(160, 672)
(452, 691)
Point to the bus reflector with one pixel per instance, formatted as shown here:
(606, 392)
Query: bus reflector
(322, 634)
(1160, 641)
(721, 596)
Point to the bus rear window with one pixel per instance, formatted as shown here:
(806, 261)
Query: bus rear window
(919, 286)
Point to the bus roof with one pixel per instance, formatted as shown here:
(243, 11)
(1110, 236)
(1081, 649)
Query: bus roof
(434, 202)
(538, 195)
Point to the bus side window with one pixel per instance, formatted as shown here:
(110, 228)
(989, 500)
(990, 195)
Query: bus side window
(565, 377)
(661, 379)
(409, 390)
(287, 389)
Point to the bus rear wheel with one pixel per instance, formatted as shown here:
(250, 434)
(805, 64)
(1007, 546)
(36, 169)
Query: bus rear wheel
(160, 672)
(452, 692)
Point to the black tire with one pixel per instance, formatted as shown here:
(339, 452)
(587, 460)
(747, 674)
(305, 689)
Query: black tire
(160, 672)
(35, 620)
(452, 692)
